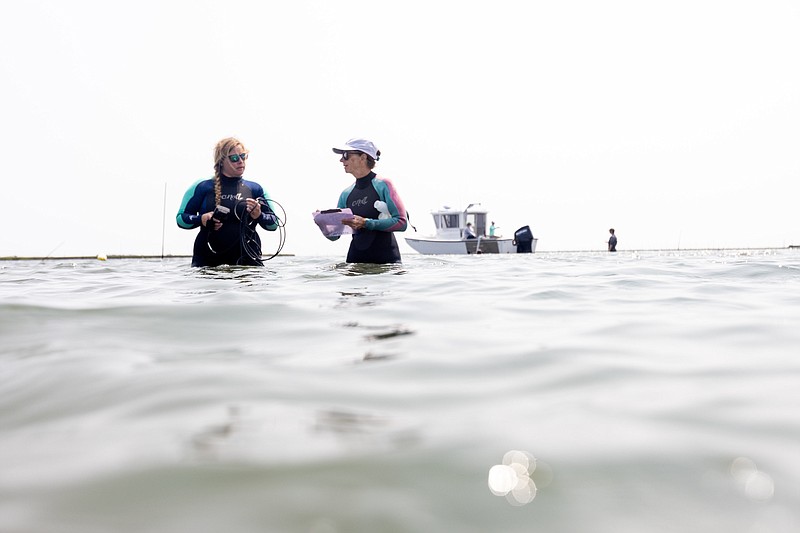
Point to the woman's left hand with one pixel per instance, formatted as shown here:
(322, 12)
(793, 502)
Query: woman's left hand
(254, 208)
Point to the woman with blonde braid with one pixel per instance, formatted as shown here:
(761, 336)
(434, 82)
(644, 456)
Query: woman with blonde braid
(227, 209)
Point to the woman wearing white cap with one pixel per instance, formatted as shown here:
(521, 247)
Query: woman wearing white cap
(377, 209)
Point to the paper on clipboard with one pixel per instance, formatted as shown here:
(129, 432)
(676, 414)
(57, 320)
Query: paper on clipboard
(330, 221)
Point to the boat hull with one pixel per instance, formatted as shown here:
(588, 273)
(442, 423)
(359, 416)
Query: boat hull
(464, 247)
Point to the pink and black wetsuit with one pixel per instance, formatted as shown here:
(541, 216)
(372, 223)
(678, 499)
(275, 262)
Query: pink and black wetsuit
(375, 243)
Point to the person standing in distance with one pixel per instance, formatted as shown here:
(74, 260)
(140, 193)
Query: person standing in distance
(229, 237)
(612, 241)
(377, 209)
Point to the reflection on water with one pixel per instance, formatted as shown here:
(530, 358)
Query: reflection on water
(366, 429)
(369, 269)
(349, 423)
(363, 298)
(397, 331)
(246, 275)
(658, 392)
(376, 339)
(207, 442)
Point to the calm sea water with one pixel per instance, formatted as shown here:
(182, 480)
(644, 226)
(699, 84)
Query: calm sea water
(658, 392)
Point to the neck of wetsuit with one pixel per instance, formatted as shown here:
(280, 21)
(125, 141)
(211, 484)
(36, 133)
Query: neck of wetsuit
(363, 183)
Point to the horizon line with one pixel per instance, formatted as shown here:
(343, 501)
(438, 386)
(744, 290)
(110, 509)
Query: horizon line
(184, 256)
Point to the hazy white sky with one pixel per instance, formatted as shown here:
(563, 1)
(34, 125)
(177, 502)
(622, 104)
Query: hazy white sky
(677, 123)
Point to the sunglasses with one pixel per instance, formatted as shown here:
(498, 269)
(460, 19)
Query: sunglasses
(346, 155)
(234, 158)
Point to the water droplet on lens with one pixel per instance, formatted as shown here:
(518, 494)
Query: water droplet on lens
(523, 494)
(759, 486)
(502, 479)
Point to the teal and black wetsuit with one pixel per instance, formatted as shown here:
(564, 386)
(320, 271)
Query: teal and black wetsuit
(230, 244)
(375, 243)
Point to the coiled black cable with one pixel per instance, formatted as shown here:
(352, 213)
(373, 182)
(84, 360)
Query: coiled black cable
(250, 246)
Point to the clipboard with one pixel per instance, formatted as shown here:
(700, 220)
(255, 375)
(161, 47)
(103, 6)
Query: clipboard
(330, 221)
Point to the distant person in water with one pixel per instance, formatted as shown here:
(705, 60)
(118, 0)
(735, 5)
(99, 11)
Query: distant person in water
(612, 241)
(377, 209)
(227, 209)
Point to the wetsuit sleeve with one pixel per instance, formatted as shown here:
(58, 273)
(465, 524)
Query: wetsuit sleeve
(268, 220)
(189, 214)
(342, 203)
(388, 194)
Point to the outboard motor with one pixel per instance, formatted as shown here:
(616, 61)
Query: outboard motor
(523, 239)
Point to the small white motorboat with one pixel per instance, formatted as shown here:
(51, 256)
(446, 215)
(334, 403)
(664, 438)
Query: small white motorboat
(451, 235)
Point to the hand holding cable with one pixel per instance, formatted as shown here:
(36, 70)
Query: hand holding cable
(254, 208)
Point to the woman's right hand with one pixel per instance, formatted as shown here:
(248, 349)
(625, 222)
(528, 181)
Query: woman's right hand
(356, 222)
(208, 221)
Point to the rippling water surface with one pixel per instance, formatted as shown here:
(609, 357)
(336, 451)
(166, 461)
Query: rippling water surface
(657, 392)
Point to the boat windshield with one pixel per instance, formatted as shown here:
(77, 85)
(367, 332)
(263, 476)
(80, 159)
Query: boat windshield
(446, 221)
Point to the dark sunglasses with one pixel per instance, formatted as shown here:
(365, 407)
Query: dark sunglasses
(346, 155)
(235, 157)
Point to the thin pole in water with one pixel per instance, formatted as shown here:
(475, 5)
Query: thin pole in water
(164, 220)
(51, 251)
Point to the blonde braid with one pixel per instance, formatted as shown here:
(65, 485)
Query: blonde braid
(221, 151)
(217, 185)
